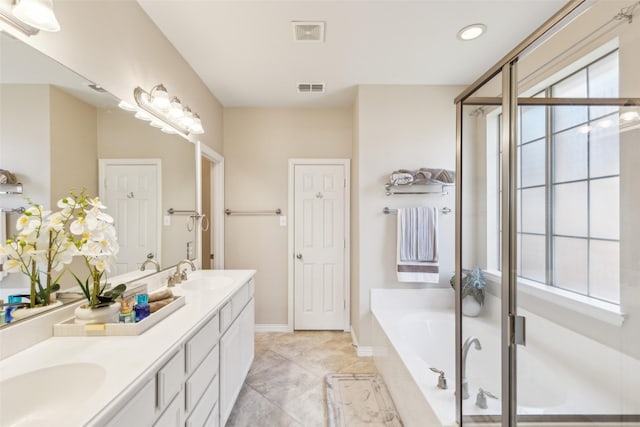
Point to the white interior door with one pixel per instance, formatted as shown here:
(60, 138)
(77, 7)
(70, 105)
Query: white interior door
(131, 191)
(319, 246)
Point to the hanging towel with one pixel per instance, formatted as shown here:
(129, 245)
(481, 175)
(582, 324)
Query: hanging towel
(417, 245)
(3, 240)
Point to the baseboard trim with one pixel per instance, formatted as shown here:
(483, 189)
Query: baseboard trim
(361, 351)
(365, 351)
(272, 328)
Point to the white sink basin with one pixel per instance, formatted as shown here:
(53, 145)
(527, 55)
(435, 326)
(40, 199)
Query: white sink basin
(36, 398)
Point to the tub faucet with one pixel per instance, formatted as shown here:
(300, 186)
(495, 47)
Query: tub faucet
(465, 351)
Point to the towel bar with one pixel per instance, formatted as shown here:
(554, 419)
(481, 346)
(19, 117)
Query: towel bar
(387, 210)
(14, 210)
(254, 212)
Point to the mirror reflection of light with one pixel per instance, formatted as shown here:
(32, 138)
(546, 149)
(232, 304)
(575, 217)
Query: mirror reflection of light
(605, 123)
(126, 106)
(584, 129)
(629, 116)
(143, 116)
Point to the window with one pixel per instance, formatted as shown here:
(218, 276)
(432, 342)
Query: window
(568, 186)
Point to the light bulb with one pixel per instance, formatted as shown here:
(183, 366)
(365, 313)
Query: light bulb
(160, 97)
(187, 119)
(472, 32)
(196, 126)
(175, 108)
(37, 13)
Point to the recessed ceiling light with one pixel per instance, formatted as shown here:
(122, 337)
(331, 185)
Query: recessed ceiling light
(471, 32)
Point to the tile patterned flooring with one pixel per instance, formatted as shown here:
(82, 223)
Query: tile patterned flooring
(285, 386)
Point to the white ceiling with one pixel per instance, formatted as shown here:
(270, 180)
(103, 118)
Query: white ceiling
(245, 53)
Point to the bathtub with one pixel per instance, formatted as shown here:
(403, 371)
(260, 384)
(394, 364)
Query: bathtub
(413, 330)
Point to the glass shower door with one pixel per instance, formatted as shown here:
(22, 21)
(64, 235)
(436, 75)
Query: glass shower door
(480, 324)
(548, 224)
(578, 223)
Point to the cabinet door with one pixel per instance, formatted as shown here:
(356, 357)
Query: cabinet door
(230, 369)
(236, 356)
(173, 416)
(247, 332)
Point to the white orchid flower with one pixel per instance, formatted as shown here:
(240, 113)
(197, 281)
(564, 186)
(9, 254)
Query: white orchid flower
(12, 266)
(96, 203)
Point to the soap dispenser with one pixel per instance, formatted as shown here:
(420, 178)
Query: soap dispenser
(127, 315)
(142, 307)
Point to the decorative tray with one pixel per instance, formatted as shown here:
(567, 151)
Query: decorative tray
(69, 329)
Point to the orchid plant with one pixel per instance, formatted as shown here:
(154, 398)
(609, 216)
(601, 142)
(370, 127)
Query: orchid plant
(46, 242)
(94, 236)
(40, 250)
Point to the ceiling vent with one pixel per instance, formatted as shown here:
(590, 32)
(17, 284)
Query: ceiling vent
(308, 31)
(310, 87)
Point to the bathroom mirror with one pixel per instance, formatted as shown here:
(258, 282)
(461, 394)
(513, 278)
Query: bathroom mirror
(56, 131)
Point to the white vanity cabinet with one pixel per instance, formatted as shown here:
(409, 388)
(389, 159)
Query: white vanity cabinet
(186, 371)
(236, 348)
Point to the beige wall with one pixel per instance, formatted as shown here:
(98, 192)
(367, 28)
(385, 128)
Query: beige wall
(258, 144)
(398, 127)
(74, 131)
(115, 44)
(121, 136)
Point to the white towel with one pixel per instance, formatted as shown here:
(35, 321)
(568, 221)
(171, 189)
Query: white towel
(3, 240)
(417, 245)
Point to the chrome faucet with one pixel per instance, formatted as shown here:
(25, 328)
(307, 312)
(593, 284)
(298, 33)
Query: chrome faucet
(465, 351)
(180, 275)
(152, 261)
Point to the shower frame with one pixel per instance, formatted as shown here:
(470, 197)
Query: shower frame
(512, 326)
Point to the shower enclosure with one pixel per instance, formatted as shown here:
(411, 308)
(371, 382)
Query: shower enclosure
(548, 202)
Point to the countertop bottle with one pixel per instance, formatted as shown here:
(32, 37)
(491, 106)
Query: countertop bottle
(142, 307)
(127, 315)
(15, 300)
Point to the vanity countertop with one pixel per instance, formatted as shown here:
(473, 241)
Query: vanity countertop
(120, 361)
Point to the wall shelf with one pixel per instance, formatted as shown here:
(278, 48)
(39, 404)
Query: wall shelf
(417, 188)
(11, 188)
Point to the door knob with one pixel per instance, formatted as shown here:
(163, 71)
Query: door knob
(299, 256)
(150, 255)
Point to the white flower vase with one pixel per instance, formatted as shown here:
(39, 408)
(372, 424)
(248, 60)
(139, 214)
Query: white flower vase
(470, 307)
(86, 315)
(23, 313)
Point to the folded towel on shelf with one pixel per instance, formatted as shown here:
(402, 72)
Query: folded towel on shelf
(417, 245)
(3, 241)
(422, 176)
(400, 178)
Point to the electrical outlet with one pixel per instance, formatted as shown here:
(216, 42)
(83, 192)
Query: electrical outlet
(283, 221)
(167, 220)
(190, 254)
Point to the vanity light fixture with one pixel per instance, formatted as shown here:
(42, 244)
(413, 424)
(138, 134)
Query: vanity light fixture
(471, 32)
(37, 14)
(7, 16)
(165, 112)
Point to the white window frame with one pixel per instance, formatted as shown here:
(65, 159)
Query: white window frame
(573, 301)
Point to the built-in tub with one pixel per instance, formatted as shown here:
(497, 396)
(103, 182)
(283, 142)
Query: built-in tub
(414, 330)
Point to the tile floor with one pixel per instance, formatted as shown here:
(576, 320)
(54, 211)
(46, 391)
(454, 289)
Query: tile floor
(285, 386)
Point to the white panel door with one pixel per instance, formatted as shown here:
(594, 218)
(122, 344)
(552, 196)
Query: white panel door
(319, 246)
(130, 192)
